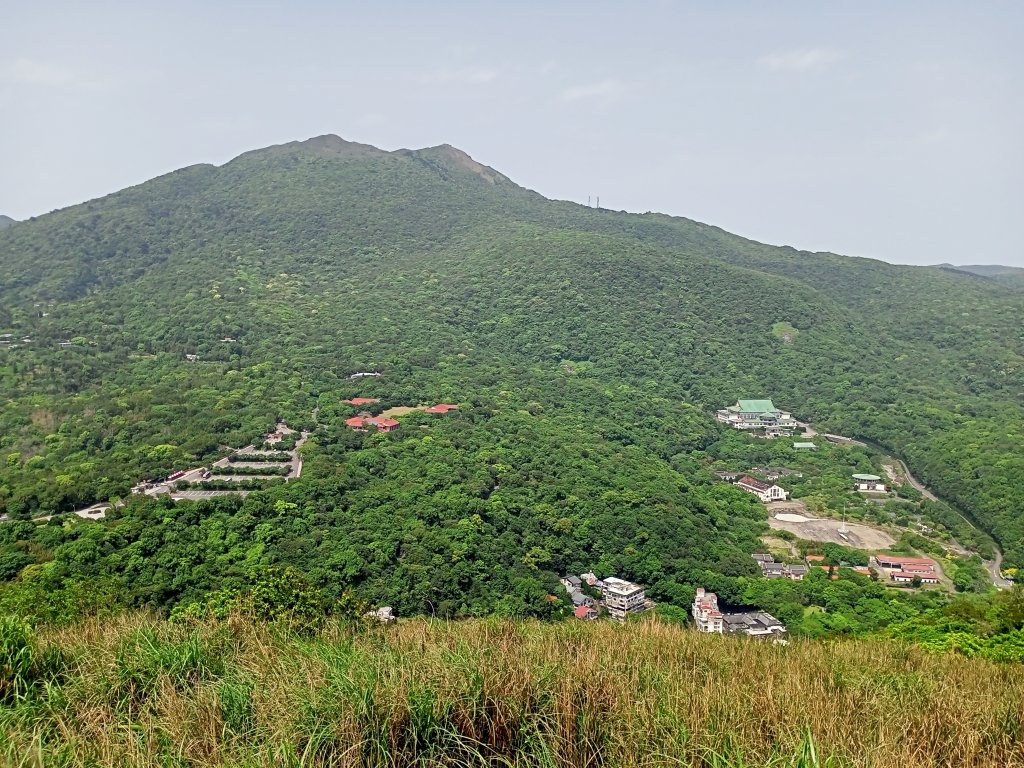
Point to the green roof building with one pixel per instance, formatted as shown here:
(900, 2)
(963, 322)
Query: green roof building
(759, 416)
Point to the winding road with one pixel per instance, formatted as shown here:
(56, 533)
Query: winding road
(993, 566)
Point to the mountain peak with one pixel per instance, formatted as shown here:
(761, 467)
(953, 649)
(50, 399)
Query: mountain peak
(461, 159)
(6, 221)
(327, 144)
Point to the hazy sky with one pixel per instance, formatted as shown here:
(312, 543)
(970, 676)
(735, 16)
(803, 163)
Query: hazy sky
(885, 129)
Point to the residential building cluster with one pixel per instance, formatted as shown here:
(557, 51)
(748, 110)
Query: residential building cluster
(617, 596)
(758, 416)
(708, 617)
(771, 569)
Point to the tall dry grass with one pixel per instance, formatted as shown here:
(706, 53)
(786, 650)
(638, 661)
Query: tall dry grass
(137, 691)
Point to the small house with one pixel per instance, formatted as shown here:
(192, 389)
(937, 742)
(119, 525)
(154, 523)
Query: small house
(868, 483)
(586, 613)
(441, 408)
(571, 583)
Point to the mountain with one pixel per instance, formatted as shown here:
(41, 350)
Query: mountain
(6, 221)
(1011, 276)
(587, 349)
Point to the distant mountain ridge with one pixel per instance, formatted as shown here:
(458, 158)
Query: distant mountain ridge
(6, 221)
(1010, 276)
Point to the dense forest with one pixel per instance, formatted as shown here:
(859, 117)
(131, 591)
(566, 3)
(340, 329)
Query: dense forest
(164, 326)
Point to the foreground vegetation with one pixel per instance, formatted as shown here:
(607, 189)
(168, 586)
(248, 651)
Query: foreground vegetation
(139, 691)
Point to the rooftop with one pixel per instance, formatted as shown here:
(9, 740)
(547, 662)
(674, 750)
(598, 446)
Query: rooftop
(867, 478)
(757, 406)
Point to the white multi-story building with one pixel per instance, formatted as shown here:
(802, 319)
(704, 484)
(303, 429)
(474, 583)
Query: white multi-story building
(760, 415)
(622, 597)
(706, 615)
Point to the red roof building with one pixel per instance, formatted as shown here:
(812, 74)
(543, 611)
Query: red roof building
(362, 422)
(586, 612)
(888, 561)
(362, 400)
(441, 408)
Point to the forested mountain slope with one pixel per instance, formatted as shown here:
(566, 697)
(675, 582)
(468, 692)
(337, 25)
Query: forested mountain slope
(588, 348)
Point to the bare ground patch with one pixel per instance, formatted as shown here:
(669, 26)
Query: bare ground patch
(399, 410)
(826, 530)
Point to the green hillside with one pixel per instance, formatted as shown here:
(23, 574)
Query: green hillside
(587, 349)
(1009, 276)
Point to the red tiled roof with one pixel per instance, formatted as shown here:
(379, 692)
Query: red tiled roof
(381, 422)
(362, 400)
(583, 611)
(355, 422)
(748, 482)
(441, 408)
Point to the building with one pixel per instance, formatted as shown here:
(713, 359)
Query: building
(586, 612)
(868, 484)
(363, 374)
(761, 557)
(892, 561)
(361, 400)
(796, 572)
(360, 423)
(384, 614)
(579, 599)
(774, 473)
(760, 415)
(764, 491)
(904, 577)
(805, 446)
(441, 408)
(753, 624)
(728, 475)
(571, 583)
(705, 611)
(622, 597)
(773, 570)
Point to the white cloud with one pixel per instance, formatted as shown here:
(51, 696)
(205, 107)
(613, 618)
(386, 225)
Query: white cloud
(602, 93)
(800, 60)
(31, 72)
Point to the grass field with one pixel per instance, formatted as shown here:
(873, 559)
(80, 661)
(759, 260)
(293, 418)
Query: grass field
(138, 691)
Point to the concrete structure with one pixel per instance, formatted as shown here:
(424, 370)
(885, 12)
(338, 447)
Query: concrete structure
(904, 577)
(760, 415)
(753, 624)
(705, 611)
(805, 446)
(868, 484)
(622, 597)
(766, 492)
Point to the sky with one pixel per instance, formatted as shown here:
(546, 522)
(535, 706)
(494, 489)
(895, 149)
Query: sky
(880, 129)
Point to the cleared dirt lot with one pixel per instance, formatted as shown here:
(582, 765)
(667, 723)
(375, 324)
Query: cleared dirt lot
(827, 530)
